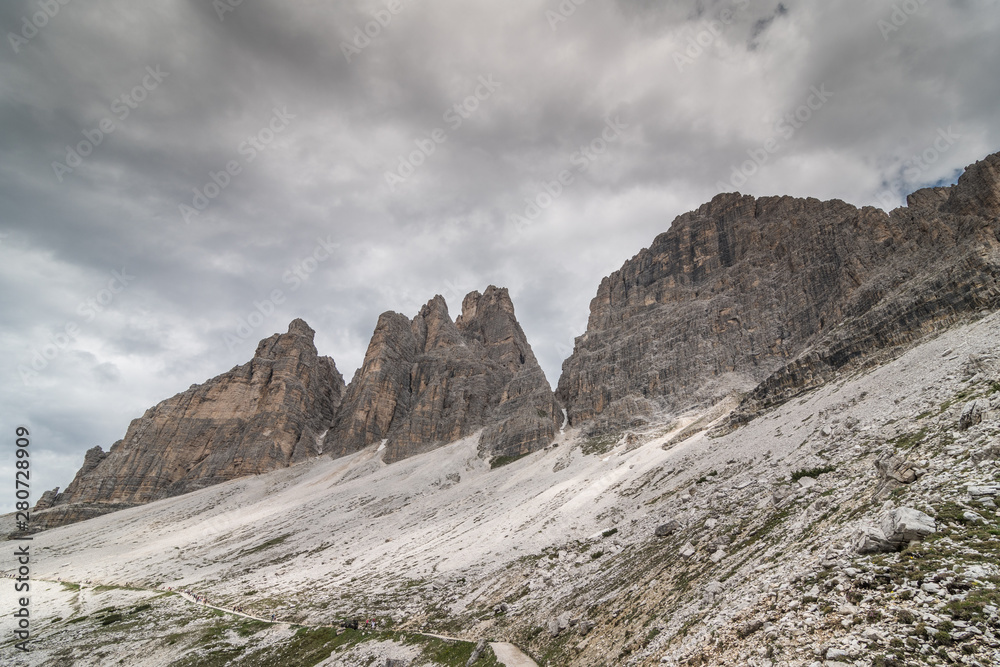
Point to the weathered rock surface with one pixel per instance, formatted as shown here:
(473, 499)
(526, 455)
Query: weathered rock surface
(870, 540)
(776, 294)
(430, 381)
(894, 471)
(668, 528)
(905, 524)
(972, 414)
(261, 416)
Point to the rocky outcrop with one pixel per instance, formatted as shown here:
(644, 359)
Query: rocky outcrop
(772, 296)
(905, 524)
(264, 415)
(429, 381)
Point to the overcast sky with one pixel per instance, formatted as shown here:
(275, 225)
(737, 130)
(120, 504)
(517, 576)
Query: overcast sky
(166, 167)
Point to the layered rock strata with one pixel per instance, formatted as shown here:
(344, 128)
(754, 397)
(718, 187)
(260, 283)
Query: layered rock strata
(264, 415)
(429, 381)
(773, 295)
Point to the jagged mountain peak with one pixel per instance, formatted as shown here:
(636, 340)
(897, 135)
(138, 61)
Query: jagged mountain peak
(431, 381)
(771, 295)
(263, 415)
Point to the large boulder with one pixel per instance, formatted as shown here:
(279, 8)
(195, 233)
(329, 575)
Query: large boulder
(870, 540)
(905, 524)
(984, 494)
(972, 414)
(894, 471)
(668, 528)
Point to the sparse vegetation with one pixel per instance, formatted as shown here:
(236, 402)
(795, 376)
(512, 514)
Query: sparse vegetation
(273, 542)
(909, 440)
(598, 445)
(811, 472)
(501, 461)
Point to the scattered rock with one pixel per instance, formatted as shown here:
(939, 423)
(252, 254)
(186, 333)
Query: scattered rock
(668, 528)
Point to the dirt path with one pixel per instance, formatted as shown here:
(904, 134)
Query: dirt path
(511, 656)
(190, 598)
(508, 654)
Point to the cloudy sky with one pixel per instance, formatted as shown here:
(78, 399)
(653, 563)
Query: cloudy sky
(169, 169)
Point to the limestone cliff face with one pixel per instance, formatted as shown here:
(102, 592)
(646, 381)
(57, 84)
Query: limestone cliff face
(261, 416)
(780, 291)
(429, 381)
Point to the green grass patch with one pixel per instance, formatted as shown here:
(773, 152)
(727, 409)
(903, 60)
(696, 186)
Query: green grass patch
(273, 542)
(811, 472)
(501, 461)
(909, 440)
(599, 444)
(249, 627)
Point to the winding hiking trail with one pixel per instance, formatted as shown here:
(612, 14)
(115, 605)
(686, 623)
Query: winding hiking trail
(508, 654)
(511, 656)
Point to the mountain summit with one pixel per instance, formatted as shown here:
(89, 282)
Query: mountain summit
(424, 383)
(264, 415)
(430, 381)
(772, 295)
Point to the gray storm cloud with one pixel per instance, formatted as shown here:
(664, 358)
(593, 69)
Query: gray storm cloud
(248, 163)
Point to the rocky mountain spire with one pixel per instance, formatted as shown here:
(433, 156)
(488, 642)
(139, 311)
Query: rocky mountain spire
(261, 416)
(431, 381)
